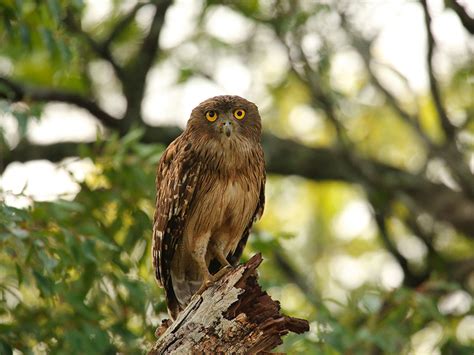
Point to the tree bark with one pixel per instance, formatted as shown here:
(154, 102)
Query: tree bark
(233, 316)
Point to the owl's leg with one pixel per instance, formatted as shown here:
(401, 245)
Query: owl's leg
(208, 278)
(199, 250)
(206, 282)
(211, 279)
(216, 249)
(217, 253)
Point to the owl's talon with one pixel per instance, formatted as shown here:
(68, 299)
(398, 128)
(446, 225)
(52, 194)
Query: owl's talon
(196, 295)
(205, 285)
(226, 269)
(213, 279)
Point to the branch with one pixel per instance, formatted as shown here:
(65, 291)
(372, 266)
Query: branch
(448, 152)
(461, 270)
(101, 49)
(363, 48)
(122, 24)
(233, 316)
(294, 276)
(137, 69)
(25, 151)
(466, 20)
(458, 270)
(287, 157)
(55, 152)
(434, 257)
(448, 127)
(14, 92)
(411, 279)
(320, 97)
(149, 47)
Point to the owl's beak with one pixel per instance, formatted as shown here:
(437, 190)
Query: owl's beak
(227, 127)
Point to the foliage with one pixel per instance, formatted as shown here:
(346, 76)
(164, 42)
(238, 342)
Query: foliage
(356, 249)
(76, 276)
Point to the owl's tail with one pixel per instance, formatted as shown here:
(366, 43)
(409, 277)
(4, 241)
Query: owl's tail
(172, 303)
(183, 291)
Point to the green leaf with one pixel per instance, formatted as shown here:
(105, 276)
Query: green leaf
(64, 50)
(184, 75)
(5, 348)
(25, 35)
(78, 304)
(19, 232)
(88, 248)
(22, 119)
(48, 39)
(19, 274)
(48, 263)
(55, 10)
(45, 285)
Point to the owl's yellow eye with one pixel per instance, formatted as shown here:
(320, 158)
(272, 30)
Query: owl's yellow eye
(211, 116)
(239, 113)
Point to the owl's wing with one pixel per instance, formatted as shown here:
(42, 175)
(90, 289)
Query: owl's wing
(176, 179)
(235, 257)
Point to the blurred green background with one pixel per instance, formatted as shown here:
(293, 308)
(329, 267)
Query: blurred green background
(368, 113)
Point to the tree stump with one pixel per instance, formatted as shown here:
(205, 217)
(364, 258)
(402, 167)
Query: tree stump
(232, 316)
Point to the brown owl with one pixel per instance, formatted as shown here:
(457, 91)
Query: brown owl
(210, 189)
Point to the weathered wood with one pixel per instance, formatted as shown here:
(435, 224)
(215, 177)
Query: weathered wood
(232, 316)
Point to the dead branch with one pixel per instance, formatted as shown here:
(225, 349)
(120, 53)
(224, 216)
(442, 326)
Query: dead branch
(233, 316)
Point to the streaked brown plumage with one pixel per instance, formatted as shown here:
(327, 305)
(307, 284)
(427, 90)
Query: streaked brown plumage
(210, 189)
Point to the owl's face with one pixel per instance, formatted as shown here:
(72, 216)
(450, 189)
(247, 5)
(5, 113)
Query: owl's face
(226, 118)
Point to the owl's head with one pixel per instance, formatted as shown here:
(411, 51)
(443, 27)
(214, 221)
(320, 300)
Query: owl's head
(226, 117)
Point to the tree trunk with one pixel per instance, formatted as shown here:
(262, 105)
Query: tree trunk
(232, 316)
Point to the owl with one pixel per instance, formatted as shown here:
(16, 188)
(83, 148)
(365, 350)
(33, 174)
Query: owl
(210, 186)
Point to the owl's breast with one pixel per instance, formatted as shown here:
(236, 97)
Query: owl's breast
(223, 206)
(239, 201)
